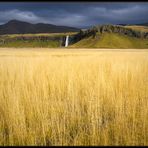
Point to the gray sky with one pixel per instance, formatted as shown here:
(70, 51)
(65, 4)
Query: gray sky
(74, 13)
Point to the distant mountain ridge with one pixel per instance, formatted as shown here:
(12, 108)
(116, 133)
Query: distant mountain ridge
(20, 27)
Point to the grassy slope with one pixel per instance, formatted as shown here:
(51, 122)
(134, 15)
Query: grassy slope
(138, 28)
(112, 40)
(32, 44)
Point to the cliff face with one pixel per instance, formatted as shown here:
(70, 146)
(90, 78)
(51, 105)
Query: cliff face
(111, 29)
(32, 41)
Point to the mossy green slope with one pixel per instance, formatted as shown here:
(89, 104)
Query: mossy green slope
(34, 43)
(111, 40)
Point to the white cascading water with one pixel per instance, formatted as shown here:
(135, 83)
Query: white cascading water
(66, 42)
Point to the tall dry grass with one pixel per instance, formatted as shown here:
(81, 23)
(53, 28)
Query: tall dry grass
(73, 97)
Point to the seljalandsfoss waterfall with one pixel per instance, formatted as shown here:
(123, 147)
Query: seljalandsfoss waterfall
(66, 42)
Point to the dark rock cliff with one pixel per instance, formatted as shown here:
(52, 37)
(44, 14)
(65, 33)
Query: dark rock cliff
(100, 29)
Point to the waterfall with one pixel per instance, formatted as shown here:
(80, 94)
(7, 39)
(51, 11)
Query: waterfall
(66, 42)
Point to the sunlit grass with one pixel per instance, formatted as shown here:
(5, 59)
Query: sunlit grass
(138, 28)
(73, 97)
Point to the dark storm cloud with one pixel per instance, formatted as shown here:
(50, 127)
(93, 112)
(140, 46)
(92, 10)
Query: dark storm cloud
(75, 14)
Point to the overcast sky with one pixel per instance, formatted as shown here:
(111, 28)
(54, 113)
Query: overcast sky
(74, 13)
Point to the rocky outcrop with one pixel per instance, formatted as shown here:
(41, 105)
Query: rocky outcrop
(111, 29)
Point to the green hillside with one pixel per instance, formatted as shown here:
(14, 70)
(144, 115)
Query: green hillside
(111, 40)
(35, 43)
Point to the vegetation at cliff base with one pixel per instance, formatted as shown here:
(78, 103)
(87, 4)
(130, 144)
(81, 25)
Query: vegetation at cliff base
(111, 40)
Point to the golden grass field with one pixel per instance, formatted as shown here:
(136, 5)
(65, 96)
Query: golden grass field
(73, 97)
